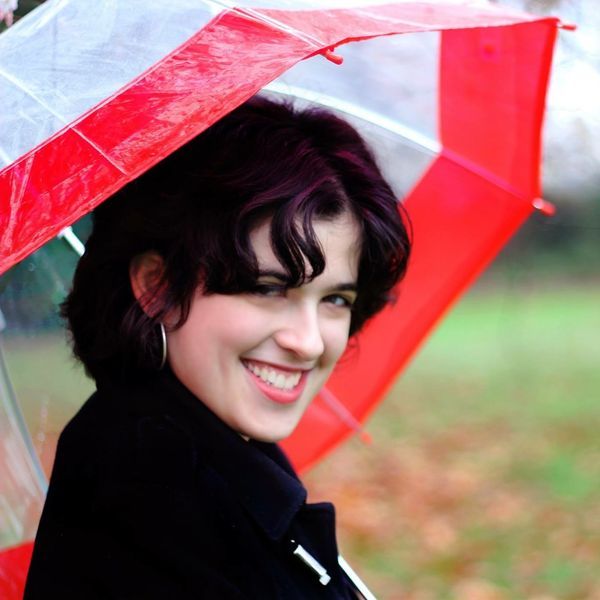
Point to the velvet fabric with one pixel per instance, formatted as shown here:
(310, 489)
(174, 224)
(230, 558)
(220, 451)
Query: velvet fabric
(152, 496)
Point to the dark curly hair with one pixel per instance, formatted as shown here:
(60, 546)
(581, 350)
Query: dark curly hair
(197, 208)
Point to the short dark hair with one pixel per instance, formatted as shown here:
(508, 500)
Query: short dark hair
(197, 208)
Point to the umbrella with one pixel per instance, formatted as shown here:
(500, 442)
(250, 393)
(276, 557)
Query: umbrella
(95, 94)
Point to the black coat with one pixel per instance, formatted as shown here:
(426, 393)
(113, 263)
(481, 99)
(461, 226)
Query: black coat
(152, 496)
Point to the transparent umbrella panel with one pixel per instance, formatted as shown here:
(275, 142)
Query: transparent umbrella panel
(403, 132)
(40, 385)
(23, 483)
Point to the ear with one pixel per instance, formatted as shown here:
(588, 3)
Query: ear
(145, 275)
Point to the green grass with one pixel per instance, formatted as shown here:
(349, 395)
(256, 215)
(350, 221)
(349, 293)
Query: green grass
(49, 384)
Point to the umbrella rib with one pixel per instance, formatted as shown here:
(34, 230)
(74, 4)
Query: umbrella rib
(100, 151)
(340, 411)
(421, 141)
(486, 174)
(71, 238)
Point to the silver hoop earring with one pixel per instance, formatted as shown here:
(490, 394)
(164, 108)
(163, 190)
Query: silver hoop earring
(163, 335)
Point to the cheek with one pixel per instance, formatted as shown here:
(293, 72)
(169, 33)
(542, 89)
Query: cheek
(232, 334)
(337, 339)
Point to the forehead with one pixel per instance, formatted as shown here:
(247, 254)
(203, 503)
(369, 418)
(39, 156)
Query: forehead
(339, 238)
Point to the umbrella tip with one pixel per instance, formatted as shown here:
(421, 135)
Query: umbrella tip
(567, 26)
(336, 59)
(365, 437)
(545, 207)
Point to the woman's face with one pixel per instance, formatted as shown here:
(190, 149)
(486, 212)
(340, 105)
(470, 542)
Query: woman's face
(258, 359)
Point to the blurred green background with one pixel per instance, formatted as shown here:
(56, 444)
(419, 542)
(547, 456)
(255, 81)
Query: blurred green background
(483, 480)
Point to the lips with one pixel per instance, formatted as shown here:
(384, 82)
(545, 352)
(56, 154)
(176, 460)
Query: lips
(279, 384)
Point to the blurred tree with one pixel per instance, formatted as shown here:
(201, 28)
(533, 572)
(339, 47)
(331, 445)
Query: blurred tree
(20, 9)
(7, 8)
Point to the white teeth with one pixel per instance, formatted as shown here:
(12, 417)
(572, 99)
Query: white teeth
(275, 378)
(292, 381)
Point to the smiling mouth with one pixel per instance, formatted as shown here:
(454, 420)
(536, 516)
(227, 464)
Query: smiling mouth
(277, 379)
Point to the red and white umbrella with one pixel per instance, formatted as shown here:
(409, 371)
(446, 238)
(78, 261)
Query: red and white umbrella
(93, 94)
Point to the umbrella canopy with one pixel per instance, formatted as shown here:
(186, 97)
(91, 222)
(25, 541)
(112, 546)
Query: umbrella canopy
(95, 94)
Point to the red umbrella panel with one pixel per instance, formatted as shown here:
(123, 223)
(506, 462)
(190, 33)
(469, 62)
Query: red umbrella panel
(95, 94)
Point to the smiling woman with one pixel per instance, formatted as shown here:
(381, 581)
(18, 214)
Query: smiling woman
(257, 359)
(216, 294)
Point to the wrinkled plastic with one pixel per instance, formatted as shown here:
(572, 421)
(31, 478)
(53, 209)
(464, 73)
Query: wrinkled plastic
(93, 94)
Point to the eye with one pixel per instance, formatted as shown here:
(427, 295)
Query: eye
(269, 289)
(339, 300)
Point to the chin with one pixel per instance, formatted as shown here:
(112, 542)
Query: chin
(271, 434)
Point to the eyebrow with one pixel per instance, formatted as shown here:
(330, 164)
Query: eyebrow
(346, 287)
(284, 278)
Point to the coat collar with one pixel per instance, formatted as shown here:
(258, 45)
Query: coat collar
(258, 473)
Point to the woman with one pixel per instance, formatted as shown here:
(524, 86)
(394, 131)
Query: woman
(216, 294)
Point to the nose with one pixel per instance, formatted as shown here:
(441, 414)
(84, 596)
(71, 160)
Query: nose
(300, 333)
